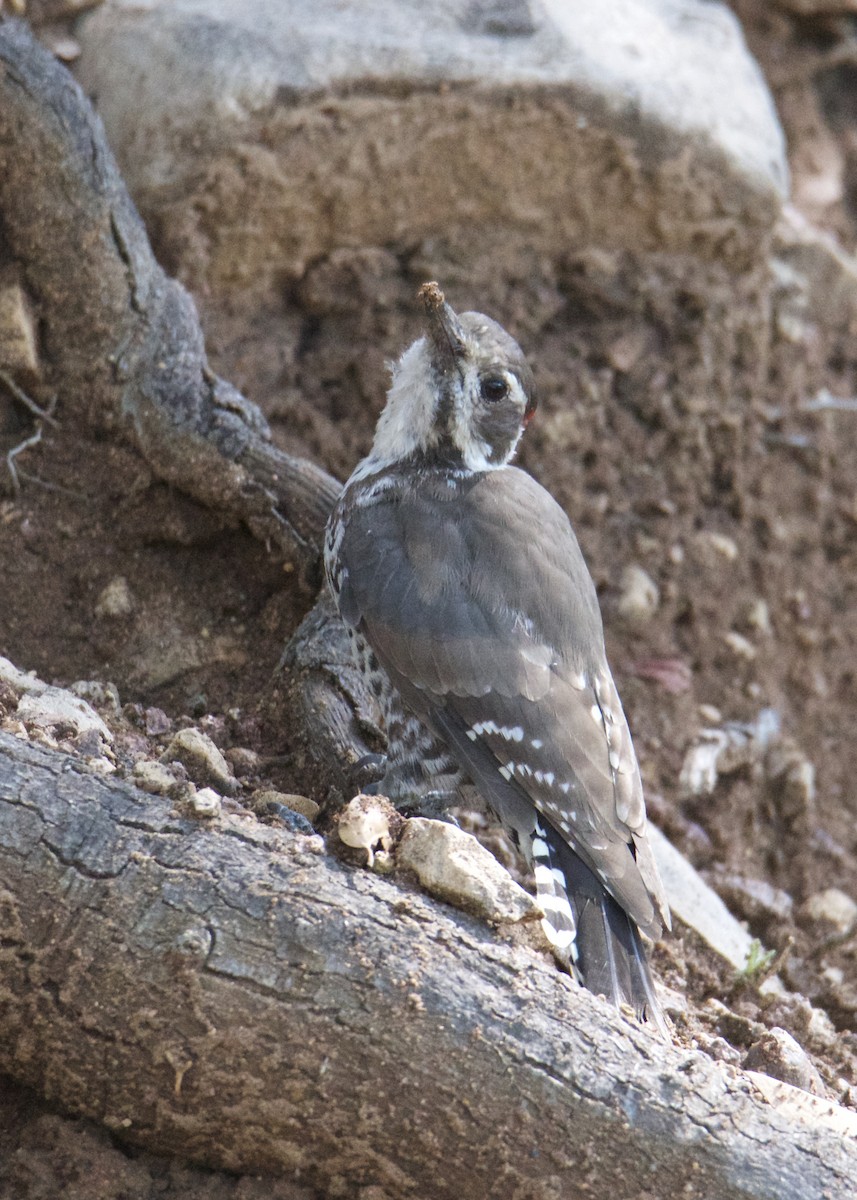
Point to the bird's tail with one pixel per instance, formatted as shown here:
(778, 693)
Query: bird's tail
(591, 934)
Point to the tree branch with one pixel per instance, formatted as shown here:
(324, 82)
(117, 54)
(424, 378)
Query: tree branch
(228, 993)
(122, 343)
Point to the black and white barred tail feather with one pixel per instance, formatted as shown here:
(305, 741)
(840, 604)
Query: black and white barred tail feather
(560, 921)
(591, 935)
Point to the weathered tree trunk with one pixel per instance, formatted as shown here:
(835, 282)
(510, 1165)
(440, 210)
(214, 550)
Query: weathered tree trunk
(230, 993)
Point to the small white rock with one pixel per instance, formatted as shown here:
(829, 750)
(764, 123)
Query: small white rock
(724, 545)
(115, 600)
(20, 681)
(101, 765)
(203, 761)
(695, 903)
(831, 908)
(153, 777)
(759, 617)
(365, 824)
(56, 708)
(105, 695)
(740, 645)
(639, 598)
(206, 803)
(452, 865)
(18, 336)
(778, 1054)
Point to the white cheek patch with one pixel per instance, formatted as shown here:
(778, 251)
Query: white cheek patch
(474, 452)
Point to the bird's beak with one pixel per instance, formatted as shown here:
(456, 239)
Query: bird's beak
(444, 328)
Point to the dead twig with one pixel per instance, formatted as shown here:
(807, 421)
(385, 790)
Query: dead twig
(18, 393)
(32, 440)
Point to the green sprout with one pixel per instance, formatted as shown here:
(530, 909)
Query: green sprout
(758, 962)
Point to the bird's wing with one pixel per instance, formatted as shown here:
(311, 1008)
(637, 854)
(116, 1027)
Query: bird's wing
(485, 616)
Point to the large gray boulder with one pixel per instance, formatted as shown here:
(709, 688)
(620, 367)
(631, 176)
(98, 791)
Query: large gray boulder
(269, 133)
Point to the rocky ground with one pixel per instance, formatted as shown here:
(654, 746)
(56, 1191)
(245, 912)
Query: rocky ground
(698, 426)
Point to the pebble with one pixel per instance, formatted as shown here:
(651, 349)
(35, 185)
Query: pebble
(753, 900)
(153, 777)
(19, 338)
(367, 823)
(830, 912)
(115, 600)
(103, 695)
(20, 681)
(759, 617)
(453, 866)
(712, 549)
(203, 761)
(243, 760)
(206, 803)
(58, 709)
(157, 722)
(776, 1053)
(299, 804)
(740, 645)
(639, 596)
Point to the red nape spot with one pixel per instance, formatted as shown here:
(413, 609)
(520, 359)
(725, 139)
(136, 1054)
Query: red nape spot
(529, 413)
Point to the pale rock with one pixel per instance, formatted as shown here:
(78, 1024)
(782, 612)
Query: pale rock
(776, 1053)
(206, 803)
(299, 804)
(698, 905)
(639, 596)
(18, 341)
(453, 866)
(202, 760)
(755, 900)
(722, 751)
(100, 765)
(830, 911)
(369, 823)
(739, 645)
(153, 777)
(723, 545)
(816, 1112)
(56, 710)
(641, 124)
(815, 279)
(115, 600)
(759, 617)
(713, 550)
(19, 681)
(101, 695)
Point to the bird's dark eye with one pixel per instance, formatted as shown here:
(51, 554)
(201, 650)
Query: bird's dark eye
(494, 388)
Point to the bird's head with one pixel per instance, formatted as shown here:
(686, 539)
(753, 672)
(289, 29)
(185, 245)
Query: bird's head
(460, 397)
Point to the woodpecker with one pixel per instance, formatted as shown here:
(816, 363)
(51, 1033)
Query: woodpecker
(476, 623)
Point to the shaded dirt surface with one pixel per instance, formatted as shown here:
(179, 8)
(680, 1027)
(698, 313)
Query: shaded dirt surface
(670, 428)
(44, 1156)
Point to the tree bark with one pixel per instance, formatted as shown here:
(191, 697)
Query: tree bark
(228, 992)
(121, 342)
